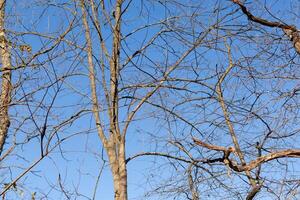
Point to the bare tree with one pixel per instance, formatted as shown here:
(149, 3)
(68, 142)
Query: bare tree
(114, 141)
(205, 95)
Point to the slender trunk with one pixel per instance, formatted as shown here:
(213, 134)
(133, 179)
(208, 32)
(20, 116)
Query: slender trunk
(115, 144)
(6, 79)
(119, 161)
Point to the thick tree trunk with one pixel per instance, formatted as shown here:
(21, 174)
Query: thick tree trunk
(6, 79)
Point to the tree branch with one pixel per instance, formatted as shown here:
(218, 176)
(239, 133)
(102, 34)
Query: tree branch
(290, 30)
(288, 153)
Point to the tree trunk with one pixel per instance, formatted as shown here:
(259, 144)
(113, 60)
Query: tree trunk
(6, 79)
(122, 172)
(118, 169)
(115, 145)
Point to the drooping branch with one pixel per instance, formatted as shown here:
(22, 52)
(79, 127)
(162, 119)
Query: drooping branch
(160, 154)
(290, 30)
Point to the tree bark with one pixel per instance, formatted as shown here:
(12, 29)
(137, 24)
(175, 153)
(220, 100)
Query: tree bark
(123, 172)
(6, 87)
(119, 171)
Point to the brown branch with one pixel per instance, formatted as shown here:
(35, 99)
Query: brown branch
(288, 153)
(290, 30)
(261, 21)
(211, 147)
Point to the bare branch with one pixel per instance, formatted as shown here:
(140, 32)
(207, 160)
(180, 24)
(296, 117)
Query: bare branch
(290, 30)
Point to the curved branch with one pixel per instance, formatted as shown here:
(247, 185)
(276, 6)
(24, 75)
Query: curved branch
(290, 30)
(158, 154)
(261, 21)
(288, 153)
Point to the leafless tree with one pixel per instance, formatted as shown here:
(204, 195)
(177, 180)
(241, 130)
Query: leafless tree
(204, 93)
